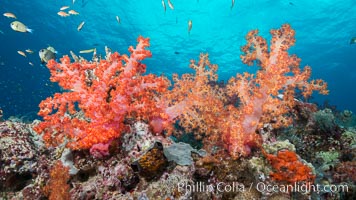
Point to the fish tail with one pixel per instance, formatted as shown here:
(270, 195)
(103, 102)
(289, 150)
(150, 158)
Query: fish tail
(29, 30)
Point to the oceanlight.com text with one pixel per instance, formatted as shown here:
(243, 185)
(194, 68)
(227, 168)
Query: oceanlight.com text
(221, 187)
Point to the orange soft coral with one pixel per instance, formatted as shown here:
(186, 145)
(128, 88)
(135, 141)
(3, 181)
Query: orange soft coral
(58, 188)
(100, 95)
(196, 101)
(267, 96)
(288, 168)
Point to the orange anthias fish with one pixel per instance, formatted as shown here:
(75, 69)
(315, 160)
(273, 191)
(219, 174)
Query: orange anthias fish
(29, 51)
(21, 53)
(73, 12)
(10, 15)
(63, 14)
(64, 7)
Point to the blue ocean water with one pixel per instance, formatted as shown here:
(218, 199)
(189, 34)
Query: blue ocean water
(323, 32)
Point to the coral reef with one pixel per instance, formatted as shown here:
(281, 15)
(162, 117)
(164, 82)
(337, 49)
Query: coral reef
(18, 155)
(117, 132)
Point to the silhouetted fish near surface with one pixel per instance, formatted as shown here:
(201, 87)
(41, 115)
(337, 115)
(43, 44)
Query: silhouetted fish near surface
(353, 40)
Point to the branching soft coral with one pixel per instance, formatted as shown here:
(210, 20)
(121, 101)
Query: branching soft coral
(58, 188)
(105, 92)
(260, 94)
(196, 101)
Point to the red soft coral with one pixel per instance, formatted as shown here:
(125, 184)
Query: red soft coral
(100, 96)
(288, 168)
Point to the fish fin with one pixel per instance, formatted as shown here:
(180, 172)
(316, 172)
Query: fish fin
(29, 30)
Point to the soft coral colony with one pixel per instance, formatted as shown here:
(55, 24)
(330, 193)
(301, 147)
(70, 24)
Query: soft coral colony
(102, 95)
(105, 92)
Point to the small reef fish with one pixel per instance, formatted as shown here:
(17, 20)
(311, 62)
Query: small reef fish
(73, 12)
(73, 1)
(20, 27)
(232, 3)
(22, 53)
(170, 4)
(75, 57)
(47, 54)
(10, 15)
(2, 32)
(62, 14)
(51, 49)
(30, 63)
(64, 8)
(88, 50)
(190, 25)
(353, 40)
(118, 19)
(80, 26)
(29, 51)
(164, 5)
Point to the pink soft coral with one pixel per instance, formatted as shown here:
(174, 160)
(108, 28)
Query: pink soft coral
(279, 74)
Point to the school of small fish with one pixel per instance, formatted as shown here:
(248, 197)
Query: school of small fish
(62, 11)
(49, 53)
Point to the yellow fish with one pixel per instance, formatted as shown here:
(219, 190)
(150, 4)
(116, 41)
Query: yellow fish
(88, 50)
(190, 25)
(80, 26)
(20, 27)
(9, 15)
(73, 12)
(22, 53)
